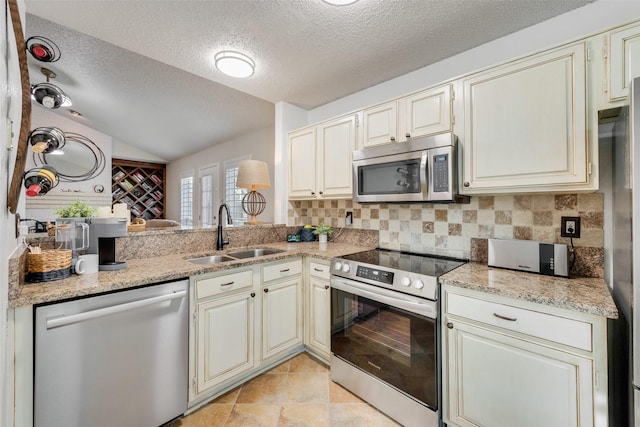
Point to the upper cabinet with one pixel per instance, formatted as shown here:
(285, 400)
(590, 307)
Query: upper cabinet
(320, 159)
(380, 124)
(424, 113)
(624, 60)
(525, 125)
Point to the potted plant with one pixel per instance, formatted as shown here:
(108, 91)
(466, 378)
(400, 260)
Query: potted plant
(323, 232)
(78, 209)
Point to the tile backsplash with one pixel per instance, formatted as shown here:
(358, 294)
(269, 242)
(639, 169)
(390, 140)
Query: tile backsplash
(454, 229)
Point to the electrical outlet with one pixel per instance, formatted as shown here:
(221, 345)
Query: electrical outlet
(570, 226)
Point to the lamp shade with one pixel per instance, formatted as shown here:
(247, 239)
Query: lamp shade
(253, 174)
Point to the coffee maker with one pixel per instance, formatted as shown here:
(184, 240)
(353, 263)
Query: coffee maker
(102, 240)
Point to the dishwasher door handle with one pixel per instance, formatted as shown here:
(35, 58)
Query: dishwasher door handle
(56, 322)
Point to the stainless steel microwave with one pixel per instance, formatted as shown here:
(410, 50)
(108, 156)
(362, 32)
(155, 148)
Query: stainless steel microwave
(419, 170)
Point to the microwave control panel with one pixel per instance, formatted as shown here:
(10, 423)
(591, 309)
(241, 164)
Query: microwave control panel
(440, 173)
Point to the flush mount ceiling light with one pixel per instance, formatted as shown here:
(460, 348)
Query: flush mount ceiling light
(49, 95)
(234, 64)
(339, 2)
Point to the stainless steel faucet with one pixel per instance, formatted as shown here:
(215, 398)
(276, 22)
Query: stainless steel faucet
(221, 242)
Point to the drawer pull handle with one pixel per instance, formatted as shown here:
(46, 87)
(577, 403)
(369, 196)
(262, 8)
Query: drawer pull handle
(318, 269)
(510, 319)
(223, 285)
(284, 271)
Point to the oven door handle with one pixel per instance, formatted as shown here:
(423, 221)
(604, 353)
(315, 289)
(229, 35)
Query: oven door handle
(424, 308)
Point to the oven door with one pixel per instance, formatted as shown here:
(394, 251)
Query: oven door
(391, 336)
(393, 178)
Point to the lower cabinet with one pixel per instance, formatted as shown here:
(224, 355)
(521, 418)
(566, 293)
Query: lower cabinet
(281, 307)
(243, 321)
(507, 365)
(225, 339)
(317, 307)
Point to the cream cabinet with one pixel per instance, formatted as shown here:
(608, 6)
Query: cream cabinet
(424, 113)
(526, 126)
(624, 60)
(317, 303)
(320, 159)
(508, 362)
(302, 164)
(222, 336)
(282, 323)
(380, 124)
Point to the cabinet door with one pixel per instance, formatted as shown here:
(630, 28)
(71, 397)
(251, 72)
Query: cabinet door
(428, 112)
(336, 142)
(302, 164)
(379, 124)
(624, 60)
(281, 317)
(225, 339)
(525, 125)
(318, 315)
(499, 381)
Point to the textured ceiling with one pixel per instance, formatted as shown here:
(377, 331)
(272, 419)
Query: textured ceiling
(142, 71)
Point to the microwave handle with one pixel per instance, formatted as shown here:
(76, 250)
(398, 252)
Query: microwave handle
(424, 182)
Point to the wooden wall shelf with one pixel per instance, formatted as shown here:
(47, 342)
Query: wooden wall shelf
(141, 186)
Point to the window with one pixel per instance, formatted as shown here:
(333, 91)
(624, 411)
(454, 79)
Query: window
(232, 195)
(208, 195)
(186, 199)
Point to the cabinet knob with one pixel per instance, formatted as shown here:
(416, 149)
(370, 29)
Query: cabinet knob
(393, 138)
(253, 294)
(266, 290)
(326, 286)
(466, 184)
(450, 325)
(313, 193)
(320, 192)
(408, 135)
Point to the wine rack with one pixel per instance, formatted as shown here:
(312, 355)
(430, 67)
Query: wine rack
(139, 185)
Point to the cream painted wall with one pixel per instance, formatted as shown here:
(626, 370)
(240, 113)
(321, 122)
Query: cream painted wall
(259, 145)
(10, 109)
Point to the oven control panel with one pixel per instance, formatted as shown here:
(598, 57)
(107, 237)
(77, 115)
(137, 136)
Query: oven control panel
(375, 274)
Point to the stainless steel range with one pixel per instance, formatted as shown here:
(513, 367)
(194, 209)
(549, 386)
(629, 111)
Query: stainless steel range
(385, 331)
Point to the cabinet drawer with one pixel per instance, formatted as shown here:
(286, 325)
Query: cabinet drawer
(280, 270)
(220, 284)
(565, 331)
(319, 270)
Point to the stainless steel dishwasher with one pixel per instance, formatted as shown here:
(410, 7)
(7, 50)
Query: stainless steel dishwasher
(119, 359)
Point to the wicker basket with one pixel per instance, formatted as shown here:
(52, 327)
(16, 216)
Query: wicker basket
(137, 224)
(49, 265)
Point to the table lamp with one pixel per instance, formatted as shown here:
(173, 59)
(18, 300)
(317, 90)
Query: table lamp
(253, 174)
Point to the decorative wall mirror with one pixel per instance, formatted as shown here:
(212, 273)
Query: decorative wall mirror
(81, 159)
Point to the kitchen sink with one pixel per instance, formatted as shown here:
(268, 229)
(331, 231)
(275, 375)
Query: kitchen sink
(215, 259)
(254, 253)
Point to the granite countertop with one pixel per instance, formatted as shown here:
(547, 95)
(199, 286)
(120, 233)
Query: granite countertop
(587, 295)
(145, 271)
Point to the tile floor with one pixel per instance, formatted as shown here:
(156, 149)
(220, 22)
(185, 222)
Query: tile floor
(296, 393)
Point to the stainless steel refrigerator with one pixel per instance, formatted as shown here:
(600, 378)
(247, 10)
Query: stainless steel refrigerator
(624, 333)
